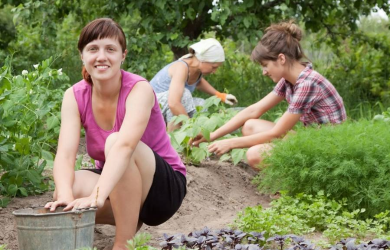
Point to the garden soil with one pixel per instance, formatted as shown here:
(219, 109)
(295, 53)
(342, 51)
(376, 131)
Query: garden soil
(216, 192)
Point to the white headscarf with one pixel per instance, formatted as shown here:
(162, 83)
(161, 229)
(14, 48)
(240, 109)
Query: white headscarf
(208, 50)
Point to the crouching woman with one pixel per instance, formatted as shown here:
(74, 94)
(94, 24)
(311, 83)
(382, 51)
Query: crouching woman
(139, 177)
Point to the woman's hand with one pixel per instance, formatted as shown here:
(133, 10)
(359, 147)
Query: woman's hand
(85, 202)
(60, 202)
(220, 147)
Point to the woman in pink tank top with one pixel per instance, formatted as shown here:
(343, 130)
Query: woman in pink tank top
(139, 177)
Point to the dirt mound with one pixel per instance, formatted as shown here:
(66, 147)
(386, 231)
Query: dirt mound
(215, 193)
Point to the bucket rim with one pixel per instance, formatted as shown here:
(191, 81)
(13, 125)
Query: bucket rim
(23, 212)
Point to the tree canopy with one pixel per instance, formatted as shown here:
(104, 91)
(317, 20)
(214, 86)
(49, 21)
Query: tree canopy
(36, 30)
(180, 22)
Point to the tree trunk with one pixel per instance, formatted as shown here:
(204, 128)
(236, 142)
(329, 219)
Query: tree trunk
(178, 52)
(193, 30)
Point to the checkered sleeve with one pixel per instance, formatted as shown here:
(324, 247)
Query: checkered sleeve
(280, 88)
(304, 97)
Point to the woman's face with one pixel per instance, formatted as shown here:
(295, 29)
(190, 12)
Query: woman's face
(102, 58)
(209, 68)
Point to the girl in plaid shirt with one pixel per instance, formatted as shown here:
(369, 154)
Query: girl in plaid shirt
(311, 97)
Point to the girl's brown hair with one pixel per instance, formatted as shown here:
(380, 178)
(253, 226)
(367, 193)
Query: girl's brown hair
(281, 38)
(99, 29)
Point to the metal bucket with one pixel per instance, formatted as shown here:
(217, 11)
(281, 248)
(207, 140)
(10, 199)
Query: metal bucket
(38, 228)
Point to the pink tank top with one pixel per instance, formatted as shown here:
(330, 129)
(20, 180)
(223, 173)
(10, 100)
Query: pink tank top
(155, 135)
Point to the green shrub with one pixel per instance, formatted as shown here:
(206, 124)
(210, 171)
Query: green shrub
(351, 161)
(29, 126)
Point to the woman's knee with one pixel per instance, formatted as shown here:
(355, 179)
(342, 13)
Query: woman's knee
(84, 183)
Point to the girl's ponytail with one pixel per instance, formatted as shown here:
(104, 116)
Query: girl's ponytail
(281, 38)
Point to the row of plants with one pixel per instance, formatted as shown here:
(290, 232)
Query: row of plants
(226, 239)
(277, 227)
(29, 126)
(307, 214)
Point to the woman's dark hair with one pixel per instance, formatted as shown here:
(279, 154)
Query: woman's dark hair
(281, 38)
(99, 29)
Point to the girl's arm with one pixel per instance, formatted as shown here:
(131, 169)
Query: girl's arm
(179, 73)
(206, 87)
(139, 104)
(252, 112)
(285, 123)
(68, 143)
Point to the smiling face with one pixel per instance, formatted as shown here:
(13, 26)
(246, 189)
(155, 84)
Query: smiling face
(209, 68)
(102, 58)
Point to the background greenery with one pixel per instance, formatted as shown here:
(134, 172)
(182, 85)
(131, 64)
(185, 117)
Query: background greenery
(349, 49)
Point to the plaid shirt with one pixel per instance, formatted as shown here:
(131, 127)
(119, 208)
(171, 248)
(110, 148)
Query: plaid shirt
(314, 97)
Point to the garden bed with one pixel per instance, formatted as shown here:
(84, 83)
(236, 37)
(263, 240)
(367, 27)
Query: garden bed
(216, 193)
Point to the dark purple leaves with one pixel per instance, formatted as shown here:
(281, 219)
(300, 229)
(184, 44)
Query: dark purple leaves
(349, 244)
(228, 239)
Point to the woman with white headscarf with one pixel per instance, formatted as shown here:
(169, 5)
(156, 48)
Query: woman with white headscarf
(175, 83)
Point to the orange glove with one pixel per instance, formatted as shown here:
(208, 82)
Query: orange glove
(226, 98)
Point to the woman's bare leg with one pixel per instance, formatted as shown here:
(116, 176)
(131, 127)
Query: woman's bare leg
(129, 194)
(127, 197)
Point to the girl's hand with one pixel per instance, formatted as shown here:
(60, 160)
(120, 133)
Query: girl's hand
(197, 140)
(220, 147)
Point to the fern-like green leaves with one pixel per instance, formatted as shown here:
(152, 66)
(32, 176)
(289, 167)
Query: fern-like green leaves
(351, 161)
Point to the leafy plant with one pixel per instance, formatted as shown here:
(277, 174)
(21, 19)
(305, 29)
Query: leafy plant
(348, 161)
(350, 244)
(239, 240)
(385, 116)
(204, 122)
(305, 214)
(219, 239)
(29, 126)
(139, 242)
